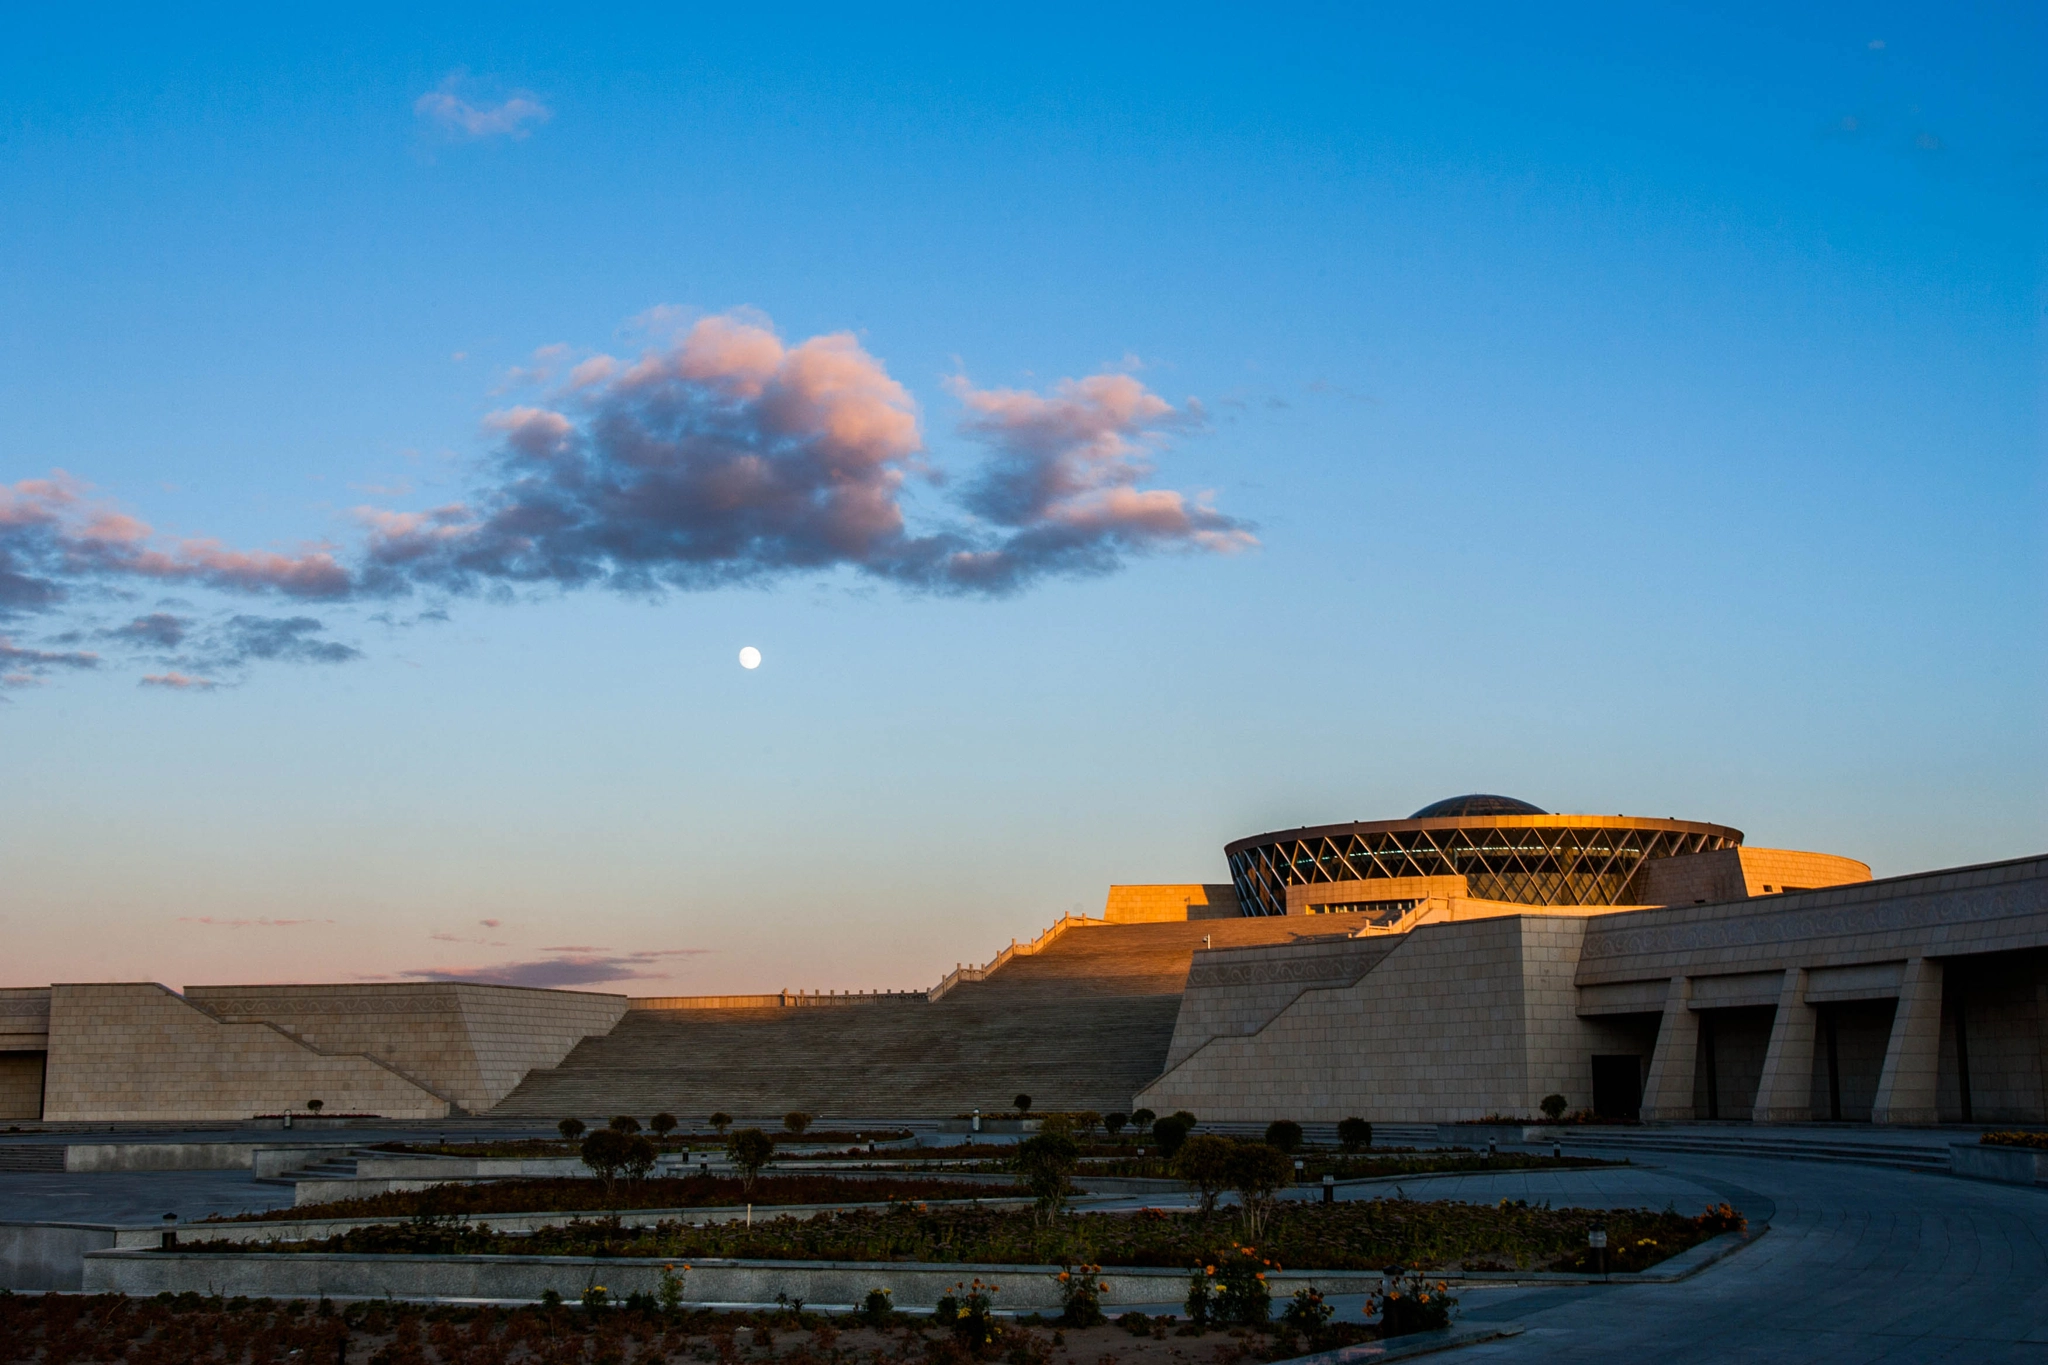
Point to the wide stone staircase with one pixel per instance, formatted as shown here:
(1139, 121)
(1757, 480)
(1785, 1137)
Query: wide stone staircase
(1081, 1023)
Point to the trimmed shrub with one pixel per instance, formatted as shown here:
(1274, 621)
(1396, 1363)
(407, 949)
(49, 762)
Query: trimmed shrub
(570, 1129)
(1114, 1123)
(1354, 1134)
(1141, 1119)
(796, 1120)
(1553, 1107)
(624, 1123)
(1022, 1104)
(663, 1124)
(1284, 1134)
(1169, 1134)
(721, 1121)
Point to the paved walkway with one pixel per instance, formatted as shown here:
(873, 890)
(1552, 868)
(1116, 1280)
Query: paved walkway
(131, 1198)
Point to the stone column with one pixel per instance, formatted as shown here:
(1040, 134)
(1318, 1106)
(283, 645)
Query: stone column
(1784, 1093)
(1667, 1094)
(1905, 1092)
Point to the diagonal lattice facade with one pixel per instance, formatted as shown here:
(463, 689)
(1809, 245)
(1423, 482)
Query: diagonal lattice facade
(1530, 860)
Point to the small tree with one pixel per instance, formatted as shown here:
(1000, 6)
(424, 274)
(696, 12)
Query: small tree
(1141, 1119)
(624, 1123)
(1047, 1163)
(638, 1157)
(1553, 1107)
(1284, 1134)
(316, 1105)
(570, 1129)
(605, 1152)
(1168, 1134)
(1114, 1123)
(1257, 1171)
(1087, 1121)
(1185, 1117)
(1022, 1104)
(749, 1149)
(796, 1120)
(1204, 1161)
(721, 1121)
(1354, 1134)
(662, 1124)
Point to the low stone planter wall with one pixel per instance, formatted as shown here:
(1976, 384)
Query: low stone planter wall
(49, 1255)
(1022, 1287)
(822, 1284)
(264, 1159)
(2007, 1165)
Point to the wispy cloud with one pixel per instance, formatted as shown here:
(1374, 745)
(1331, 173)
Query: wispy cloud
(211, 922)
(25, 667)
(565, 968)
(178, 682)
(159, 628)
(450, 109)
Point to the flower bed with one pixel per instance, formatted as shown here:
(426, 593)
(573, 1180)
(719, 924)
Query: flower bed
(2037, 1141)
(1355, 1235)
(572, 1195)
(172, 1329)
(674, 1142)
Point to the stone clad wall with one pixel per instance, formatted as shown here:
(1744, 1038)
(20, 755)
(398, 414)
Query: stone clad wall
(515, 1031)
(1456, 1021)
(1732, 874)
(470, 1043)
(1163, 903)
(21, 1085)
(1232, 992)
(138, 1051)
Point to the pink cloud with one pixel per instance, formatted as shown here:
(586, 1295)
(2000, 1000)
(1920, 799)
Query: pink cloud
(53, 532)
(179, 682)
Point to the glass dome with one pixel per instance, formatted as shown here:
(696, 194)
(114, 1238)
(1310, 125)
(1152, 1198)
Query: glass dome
(1477, 804)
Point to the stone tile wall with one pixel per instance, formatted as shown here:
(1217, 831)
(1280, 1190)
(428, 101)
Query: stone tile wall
(470, 1043)
(1456, 1021)
(21, 1085)
(140, 1052)
(1160, 903)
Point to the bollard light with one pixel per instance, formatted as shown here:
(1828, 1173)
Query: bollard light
(1329, 1189)
(1557, 1149)
(170, 1229)
(1596, 1238)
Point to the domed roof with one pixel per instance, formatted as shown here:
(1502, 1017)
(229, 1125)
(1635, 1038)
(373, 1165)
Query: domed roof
(1477, 804)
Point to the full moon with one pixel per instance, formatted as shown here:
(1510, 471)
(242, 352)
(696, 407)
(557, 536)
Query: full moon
(750, 657)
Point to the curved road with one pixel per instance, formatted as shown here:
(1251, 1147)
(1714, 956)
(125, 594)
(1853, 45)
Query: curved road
(1861, 1263)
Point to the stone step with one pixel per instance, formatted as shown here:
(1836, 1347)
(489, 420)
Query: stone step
(27, 1156)
(1897, 1155)
(1083, 1024)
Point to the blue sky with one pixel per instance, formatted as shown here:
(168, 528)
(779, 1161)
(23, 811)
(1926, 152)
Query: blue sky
(1622, 410)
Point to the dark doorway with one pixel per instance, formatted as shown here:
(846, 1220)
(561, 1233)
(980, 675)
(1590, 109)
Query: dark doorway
(1618, 1087)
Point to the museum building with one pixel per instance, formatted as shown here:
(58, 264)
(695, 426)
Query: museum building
(1468, 960)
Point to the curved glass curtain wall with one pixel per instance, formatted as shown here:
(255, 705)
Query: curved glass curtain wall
(1529, 866)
